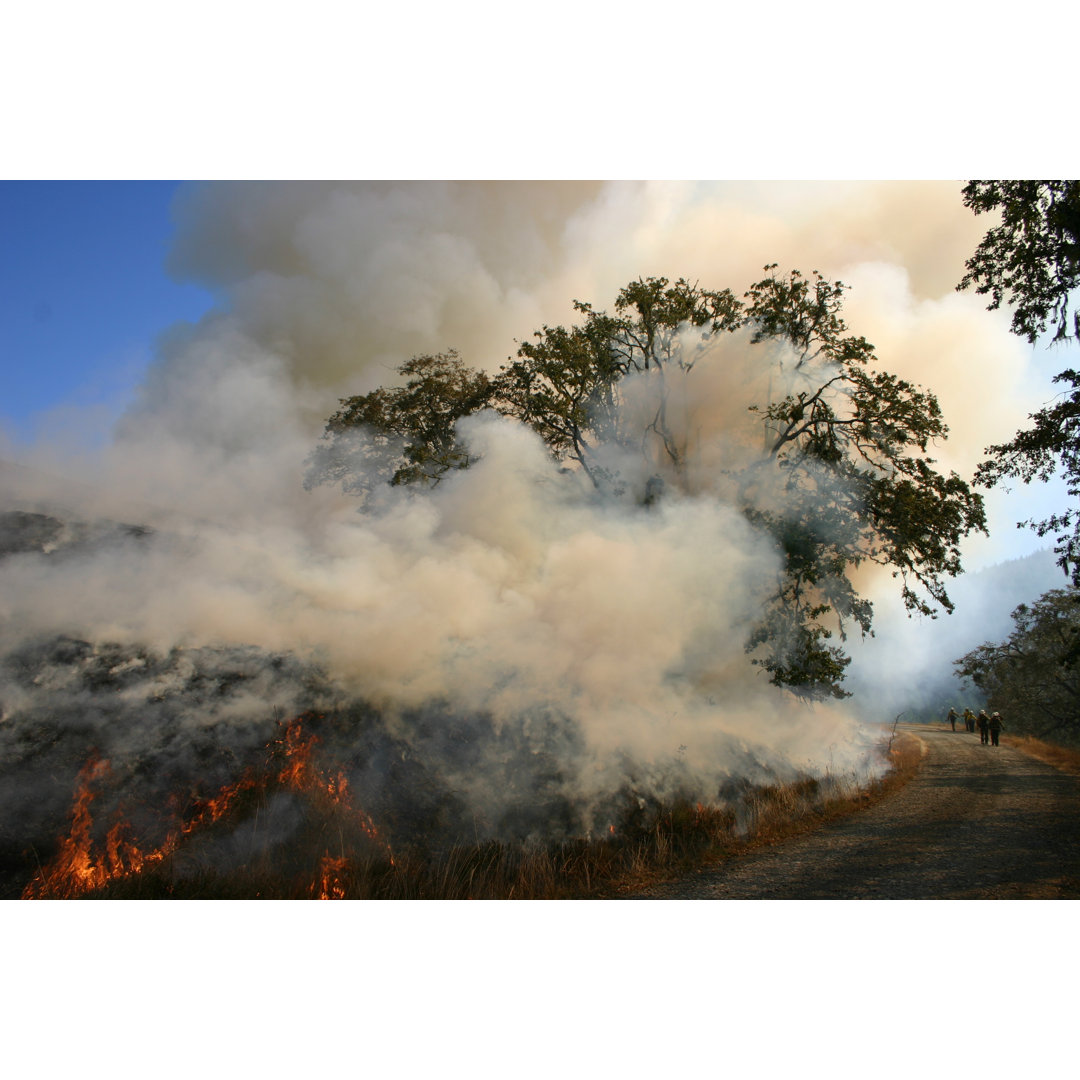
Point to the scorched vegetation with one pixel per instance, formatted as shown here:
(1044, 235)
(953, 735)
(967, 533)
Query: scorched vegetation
(290, 828)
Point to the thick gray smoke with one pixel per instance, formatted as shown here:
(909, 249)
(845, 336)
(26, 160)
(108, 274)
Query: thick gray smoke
(601, 638)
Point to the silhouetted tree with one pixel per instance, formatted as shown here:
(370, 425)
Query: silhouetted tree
(1032, 260)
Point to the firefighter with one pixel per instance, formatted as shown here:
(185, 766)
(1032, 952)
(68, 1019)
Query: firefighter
(969, 720)
(995, 726)
(984, 726)
(952, 718)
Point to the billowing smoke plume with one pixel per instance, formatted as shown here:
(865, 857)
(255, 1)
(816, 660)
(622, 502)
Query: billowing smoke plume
(604, 639)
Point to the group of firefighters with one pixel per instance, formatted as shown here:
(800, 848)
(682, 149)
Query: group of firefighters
(989, 727)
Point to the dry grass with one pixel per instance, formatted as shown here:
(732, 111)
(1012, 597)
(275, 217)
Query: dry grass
(675, 840)
(776, 812)
(1059, 756)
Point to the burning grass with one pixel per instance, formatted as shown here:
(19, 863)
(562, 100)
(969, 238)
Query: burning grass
(293, 829)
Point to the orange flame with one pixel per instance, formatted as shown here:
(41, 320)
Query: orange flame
(79, 868)
(330, 871)
(297, 746)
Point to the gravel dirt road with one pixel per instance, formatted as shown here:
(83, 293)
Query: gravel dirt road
(976, 823)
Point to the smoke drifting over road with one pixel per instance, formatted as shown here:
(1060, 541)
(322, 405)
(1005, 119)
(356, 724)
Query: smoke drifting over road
(603, 640)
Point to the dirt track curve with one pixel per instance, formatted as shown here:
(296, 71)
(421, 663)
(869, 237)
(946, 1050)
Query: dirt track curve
(976, 823)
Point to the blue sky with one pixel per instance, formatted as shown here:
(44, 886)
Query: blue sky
(83, 295)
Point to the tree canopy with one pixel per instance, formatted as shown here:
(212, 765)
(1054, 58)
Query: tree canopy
(570, 384)
(836, 474)
(1033, 677)
(1032, 260)
(403, 435)
(1050, 445)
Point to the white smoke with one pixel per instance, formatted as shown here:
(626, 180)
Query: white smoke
(509, 587)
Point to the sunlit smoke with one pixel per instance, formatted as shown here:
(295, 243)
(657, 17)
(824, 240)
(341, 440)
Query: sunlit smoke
(510, 590)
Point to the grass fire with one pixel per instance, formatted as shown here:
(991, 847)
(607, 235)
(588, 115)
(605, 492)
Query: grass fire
(85, 863)
(332, 849)
(375, 589)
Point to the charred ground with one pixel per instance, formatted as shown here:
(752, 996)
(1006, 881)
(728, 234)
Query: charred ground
(224, 769)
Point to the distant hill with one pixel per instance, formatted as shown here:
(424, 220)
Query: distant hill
(908, 666)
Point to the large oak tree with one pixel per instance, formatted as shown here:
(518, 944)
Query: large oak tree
(839, 474)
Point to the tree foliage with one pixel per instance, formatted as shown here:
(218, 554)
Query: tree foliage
(839, 474)
(850, 446)
(1033, 677)
(1050, 445)
(403, 435)
(1032, 260)
(569, 385)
